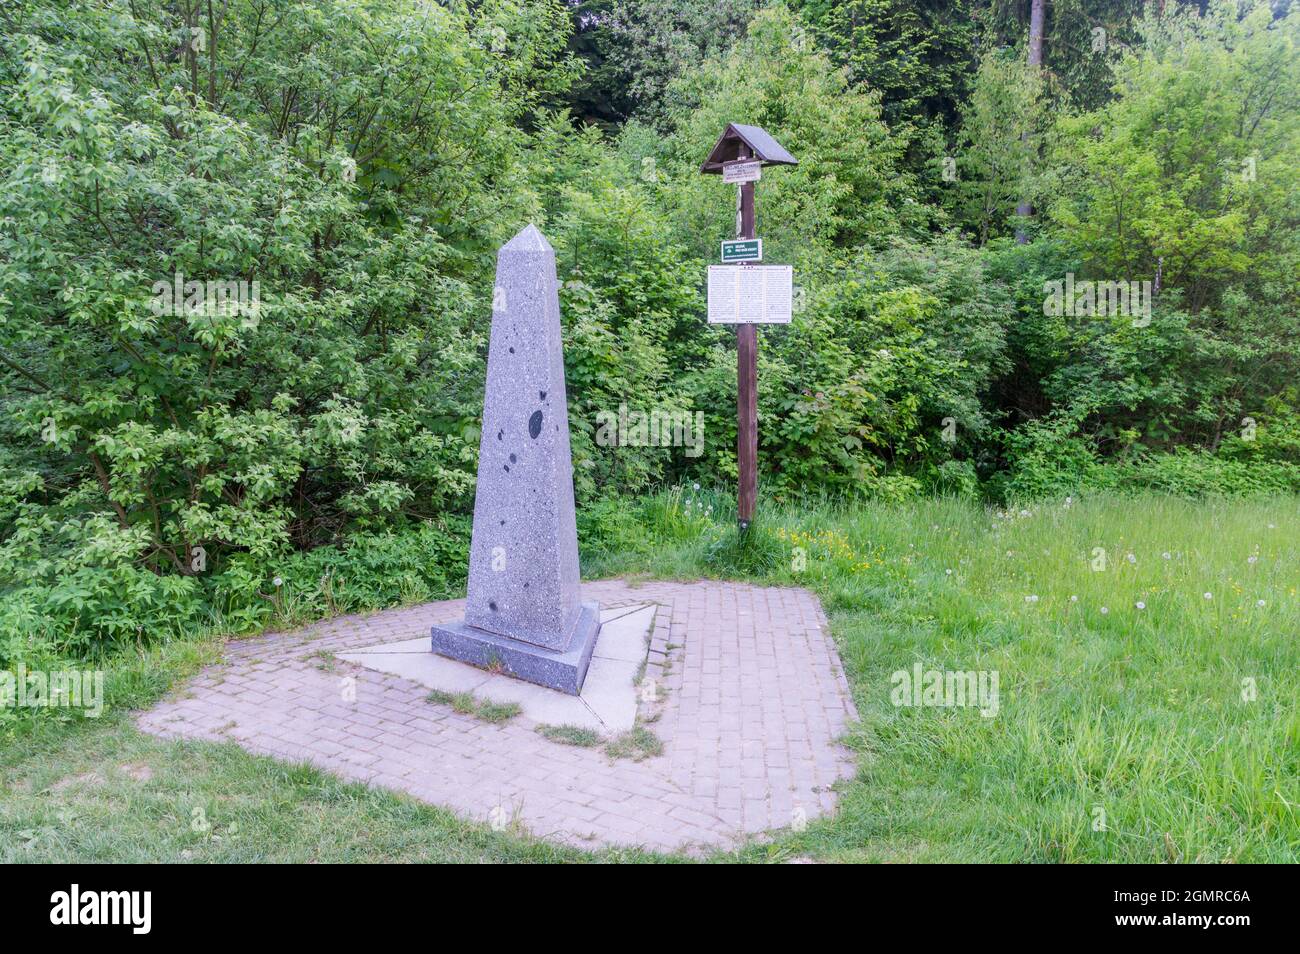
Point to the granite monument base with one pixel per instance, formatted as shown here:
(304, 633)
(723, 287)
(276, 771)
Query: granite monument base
(555, 669)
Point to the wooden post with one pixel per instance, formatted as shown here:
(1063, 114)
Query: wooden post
(750, 146)
(746, 383)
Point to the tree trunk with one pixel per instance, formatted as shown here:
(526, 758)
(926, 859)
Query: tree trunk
(1037, 14)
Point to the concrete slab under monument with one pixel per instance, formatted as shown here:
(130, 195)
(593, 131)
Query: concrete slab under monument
(607, 703)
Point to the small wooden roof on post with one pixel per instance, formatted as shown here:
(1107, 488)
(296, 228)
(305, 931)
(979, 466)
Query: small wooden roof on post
(761, 146)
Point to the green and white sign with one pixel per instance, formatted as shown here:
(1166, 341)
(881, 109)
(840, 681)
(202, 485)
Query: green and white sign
(742, 250)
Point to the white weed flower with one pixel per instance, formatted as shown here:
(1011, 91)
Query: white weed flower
(1209, 596)
(1104, 611)
(1140, 605)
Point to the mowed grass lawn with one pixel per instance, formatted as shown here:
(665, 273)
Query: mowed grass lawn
(1147, 706)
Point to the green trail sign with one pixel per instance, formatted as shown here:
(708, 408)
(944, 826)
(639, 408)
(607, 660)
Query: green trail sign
(742, 250)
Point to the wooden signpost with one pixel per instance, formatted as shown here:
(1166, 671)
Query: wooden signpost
(745, 299)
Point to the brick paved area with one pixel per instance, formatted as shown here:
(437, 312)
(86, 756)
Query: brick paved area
(750, 699)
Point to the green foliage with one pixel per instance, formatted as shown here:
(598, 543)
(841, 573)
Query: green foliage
(636, 48)
(890, 346)
(848, 188)
(1196, 474)
(1002, 128)
(356, 164)
(1082, 41)
(92, 602)
(1192, 171)
(630, 302)
(1051, 458)
(151, 437)
(919, 54)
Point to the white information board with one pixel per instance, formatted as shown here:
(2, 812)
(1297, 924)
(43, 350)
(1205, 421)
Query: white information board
(750, 294)
(743, 172)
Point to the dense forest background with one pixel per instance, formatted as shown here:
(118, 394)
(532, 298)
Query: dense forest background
(361, 161)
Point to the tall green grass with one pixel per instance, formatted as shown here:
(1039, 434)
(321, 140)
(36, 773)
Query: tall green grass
(1162, 732)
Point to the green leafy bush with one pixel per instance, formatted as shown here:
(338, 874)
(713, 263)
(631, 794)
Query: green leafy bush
(89, 610)
(358, 164)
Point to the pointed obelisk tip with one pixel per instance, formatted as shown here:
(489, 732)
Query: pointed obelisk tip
(529, 239)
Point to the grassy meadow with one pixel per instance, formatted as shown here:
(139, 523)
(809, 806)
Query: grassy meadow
(1122, 688)
(1147, 654)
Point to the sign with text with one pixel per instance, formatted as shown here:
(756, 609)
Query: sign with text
(742, 250)
(742, 172)
(750, 294)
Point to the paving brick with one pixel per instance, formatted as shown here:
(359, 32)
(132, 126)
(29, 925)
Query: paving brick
(749, 709)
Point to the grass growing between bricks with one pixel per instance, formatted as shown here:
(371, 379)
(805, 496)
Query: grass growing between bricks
(571, 735)
(468, 704)
(636, 744)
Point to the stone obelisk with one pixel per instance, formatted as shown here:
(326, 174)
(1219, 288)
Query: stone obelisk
(523, 614)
